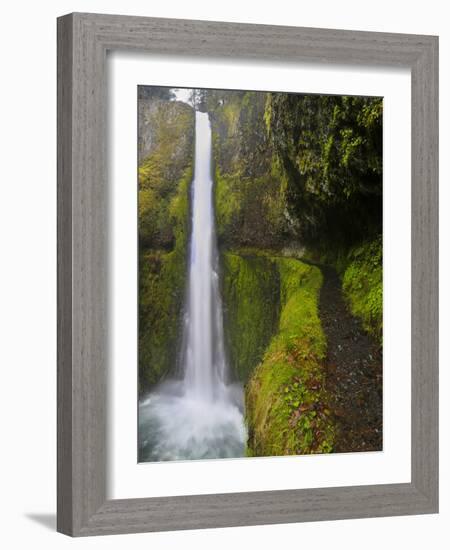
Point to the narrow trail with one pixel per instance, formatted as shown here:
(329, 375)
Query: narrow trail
(353, 371)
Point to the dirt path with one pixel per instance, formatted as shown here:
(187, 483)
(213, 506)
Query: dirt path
(354, 371)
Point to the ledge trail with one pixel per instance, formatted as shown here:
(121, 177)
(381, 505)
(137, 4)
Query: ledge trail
(353, 371)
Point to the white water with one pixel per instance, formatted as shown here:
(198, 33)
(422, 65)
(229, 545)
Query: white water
(199, 416)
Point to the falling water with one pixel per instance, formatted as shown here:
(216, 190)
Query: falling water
(201, 415)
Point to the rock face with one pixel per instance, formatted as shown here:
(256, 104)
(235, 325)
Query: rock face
(330, 150)
(292, 167)
(166, 143)
(249, 198)
(166, 153)
(157, 117)
(147, 109)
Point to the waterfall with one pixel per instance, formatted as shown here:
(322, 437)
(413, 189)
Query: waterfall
(203, 357)
(201, 415)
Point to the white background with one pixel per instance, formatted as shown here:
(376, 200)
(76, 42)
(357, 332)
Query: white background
(130, 480)
(28, 300)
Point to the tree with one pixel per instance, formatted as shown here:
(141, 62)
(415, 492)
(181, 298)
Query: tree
(155, 92)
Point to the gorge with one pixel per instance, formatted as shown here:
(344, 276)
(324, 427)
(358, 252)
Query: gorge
(259, 234)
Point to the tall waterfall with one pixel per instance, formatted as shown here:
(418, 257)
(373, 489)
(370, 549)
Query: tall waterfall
(199, 416)
(204, 358)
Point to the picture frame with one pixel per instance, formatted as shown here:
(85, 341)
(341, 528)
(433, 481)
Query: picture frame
(83, 41)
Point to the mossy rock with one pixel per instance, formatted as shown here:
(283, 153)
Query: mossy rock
(362, 284)
(162, 281)
(249, 196)
(286, 401)
(165, 174)
(251, 290)
(168, 129)
(277, 347)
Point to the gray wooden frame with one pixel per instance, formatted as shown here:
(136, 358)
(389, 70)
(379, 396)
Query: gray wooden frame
(83, 40)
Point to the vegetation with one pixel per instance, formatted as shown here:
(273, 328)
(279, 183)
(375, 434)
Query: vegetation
(330, 149)
(286, 402)
(251, 289)
(298, 181)
(301, 176)
(249, 198)
(165, 175)
(161, 293)
(155, 92)
(363, 285)
(170, 130)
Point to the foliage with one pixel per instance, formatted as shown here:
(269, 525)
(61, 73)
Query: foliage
(363, 285)
(197, 98)
(330, 148)
(155, 92)
(286, 401)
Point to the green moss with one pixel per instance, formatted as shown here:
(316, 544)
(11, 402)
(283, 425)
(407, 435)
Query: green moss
(165, 175)
(363, 285)
(299, 295)
(227, 205)
(330, 148)
(162, 278)
(251, 289)
(361, 271)
(249, 210)
(249, 200)
(286, 401)
(231, 113)
(160, 302)
(171, 154)
(277, 345)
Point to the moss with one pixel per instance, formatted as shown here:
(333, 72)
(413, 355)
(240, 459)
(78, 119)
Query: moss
(227, 205)
(277, 345)
(249, 200)
(361, 271)
(161, 294)
(165, 174)
(250, 289)
(286, 401)
(330, 148)
(171, 126)
(249, 210)
(363, 285)
(159, 307)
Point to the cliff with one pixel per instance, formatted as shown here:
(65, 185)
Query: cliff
(165, 172)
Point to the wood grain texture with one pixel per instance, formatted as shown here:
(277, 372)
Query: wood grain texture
(424, 275)
(83, 40)
(64, 298)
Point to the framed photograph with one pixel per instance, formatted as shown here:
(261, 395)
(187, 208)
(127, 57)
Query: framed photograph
(247, 274)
